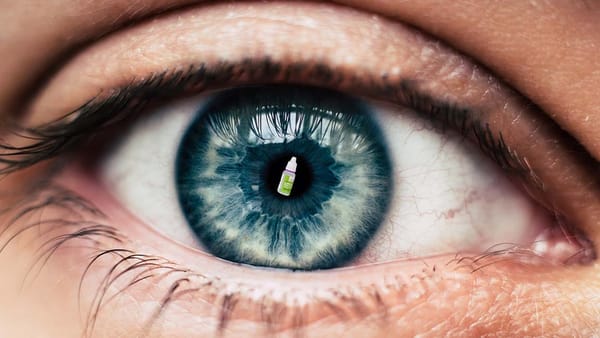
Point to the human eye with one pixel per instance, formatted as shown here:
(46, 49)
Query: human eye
(88, 206)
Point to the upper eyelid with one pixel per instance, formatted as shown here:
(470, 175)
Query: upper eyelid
(392, 82)
(105, 110)
(111, 62)
(113, 17)
(457, 78)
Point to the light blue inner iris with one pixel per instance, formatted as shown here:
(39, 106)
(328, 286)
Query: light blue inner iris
(232, 156)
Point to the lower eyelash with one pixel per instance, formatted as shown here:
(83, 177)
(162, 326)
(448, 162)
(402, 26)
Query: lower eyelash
(133, 269)
(142, 267)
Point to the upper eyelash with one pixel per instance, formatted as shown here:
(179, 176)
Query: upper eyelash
(126, 102)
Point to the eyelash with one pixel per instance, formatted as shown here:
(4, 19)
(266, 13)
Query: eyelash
(346, 304)
(127, 102)
(122, 105)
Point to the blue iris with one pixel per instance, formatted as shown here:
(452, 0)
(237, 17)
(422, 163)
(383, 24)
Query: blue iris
(231, 159)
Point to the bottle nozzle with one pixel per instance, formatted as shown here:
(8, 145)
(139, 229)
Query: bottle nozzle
(291, 165)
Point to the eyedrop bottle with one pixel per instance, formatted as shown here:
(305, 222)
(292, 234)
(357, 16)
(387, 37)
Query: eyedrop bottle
(287, 178)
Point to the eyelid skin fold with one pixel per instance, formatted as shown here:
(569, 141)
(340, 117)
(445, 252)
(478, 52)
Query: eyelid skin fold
(413, 291)
(561, 46)
(217, 53)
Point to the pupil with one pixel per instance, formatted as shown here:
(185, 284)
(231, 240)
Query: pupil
(274, 169)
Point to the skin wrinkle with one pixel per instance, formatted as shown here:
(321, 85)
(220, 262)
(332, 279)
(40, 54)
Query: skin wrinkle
(572, 324)
(436, 27)
(550, 66)
(356, 307)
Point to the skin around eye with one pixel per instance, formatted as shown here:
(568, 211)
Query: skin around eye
(237, 297)
(415, 304)
(526, 55)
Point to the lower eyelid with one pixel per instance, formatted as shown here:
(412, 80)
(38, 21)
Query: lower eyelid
(390, 297)
(277, 301)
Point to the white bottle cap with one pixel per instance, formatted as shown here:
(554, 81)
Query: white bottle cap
(291, 165)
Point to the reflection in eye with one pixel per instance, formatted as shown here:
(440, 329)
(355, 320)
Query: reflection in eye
(233, 155)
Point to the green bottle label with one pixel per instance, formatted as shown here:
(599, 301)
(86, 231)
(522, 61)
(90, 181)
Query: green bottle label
(286, 183)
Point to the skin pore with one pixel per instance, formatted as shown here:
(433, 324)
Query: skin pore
(545, 50)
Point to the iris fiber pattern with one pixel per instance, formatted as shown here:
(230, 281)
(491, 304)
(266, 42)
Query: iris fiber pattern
(231, 158)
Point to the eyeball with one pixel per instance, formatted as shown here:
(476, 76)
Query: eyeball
(372, 182)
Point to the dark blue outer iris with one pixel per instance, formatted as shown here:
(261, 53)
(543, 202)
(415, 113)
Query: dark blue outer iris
(237, 147)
